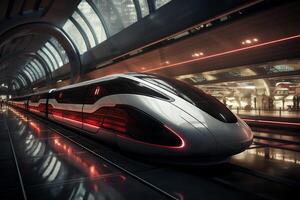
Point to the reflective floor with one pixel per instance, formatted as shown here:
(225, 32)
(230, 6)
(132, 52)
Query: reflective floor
(53, 166)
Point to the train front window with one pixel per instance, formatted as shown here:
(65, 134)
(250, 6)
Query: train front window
(195, 96)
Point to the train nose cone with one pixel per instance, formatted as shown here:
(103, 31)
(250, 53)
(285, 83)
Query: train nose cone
(232, 138)
(199, 140)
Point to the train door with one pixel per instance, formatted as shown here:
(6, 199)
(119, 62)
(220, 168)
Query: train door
(73, 104)
(94, 113)
(65, 106)
(42, 107)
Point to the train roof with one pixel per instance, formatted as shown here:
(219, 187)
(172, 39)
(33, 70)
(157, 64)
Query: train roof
(108, 77)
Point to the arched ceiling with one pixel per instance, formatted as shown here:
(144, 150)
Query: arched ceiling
(45, 41)
(25, 26)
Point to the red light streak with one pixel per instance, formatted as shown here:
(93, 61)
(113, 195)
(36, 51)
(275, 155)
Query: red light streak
(35, 127)
(225, 53)
(182, 141)
(123, 178)
(22, 117)
(75, 121)
(89, 167)
(34, 108)
(272, 122)
(182, 145)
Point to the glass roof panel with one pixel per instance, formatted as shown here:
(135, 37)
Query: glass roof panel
(55, 53)
(46, 59)
(144, 7)
(127, 11)
(85, 28)
(15, 84)
(94, 20)
(22, 80)
(60, 50)
(160, 3)
(36, 62)
(33, 72)
(36, 68)
(117, 14)
(75, 36)
(39, 69)
(29, 75)
(52, 59)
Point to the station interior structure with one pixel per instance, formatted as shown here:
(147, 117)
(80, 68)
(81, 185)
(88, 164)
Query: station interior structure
(245, 53)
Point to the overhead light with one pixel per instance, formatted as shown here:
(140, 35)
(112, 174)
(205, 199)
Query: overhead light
(282, 84)
(198, 54)
(249, 41)
(230, 98)
(143, 68)
(4, 85)
(250, 87)
(167, 62)
(228, 52)
(59, 81)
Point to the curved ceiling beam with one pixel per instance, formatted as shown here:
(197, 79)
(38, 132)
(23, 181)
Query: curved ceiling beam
(8, 78)
(22, 55)
(43, 63)
(54, 31)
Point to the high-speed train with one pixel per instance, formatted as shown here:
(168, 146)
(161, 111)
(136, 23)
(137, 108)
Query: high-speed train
(144, 114)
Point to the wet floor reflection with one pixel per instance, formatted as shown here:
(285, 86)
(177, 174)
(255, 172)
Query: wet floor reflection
(56, 168)
(267, 142)
(282, 136)
(271, 161)
(272, 154)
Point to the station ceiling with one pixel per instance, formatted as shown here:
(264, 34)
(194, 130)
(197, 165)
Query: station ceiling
(276, 30)
(45, 41)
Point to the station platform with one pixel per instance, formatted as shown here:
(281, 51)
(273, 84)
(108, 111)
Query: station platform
(42, 160)
(266, 113)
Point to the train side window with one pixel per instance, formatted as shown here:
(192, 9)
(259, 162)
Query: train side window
(195, 96)
(34, 99)
(128, 86)
(70, 96)
(94, 92)
(43, 96)
(76, 95)
(57, 96)
(119, 86)
(135, 124)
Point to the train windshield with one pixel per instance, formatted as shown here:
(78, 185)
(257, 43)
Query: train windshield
(195, 96)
